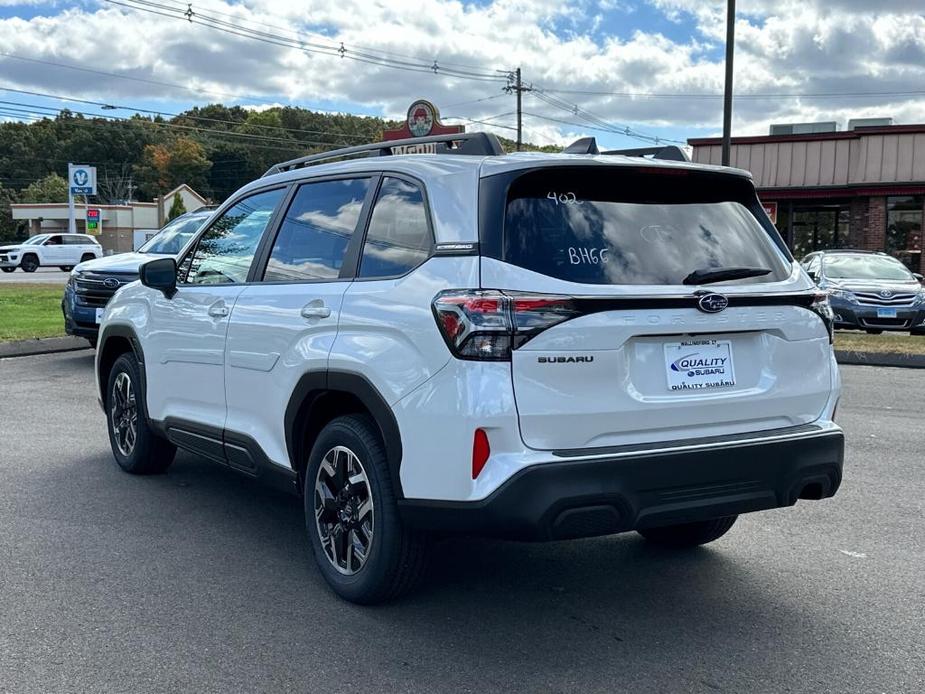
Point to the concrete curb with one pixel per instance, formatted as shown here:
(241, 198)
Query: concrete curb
(45, 345)
(909, 361)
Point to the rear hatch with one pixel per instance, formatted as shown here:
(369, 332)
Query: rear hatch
(637, 343)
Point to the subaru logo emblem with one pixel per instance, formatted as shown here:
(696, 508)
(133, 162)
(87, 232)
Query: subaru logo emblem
(886, 293)
(110, 283)
(712, 303)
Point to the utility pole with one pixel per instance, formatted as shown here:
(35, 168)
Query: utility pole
(727, 95)
(520, 133)
(518, 88)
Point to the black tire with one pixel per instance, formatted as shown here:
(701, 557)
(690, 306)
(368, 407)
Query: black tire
(689, 534)
(874, 332)
(87, 256)
(66, 268)
(147, 453)
(29, 263)
(92, 341)
(394, 555)
(918, 333)
(7, 269)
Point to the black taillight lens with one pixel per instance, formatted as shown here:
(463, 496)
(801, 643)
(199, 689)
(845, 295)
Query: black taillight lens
(487, 324)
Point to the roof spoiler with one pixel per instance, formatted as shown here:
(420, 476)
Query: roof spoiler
(474, 144)
(588, 145)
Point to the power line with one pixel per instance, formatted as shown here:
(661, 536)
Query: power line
(143, 80)
(237, 138)
(188, 116)
(187, 6)
(706, 95)
(342, 51)
(596, 122)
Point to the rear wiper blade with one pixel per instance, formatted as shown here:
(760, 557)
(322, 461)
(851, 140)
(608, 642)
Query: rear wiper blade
(720, 274)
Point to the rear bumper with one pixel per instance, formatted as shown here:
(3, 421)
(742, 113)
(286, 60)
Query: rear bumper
(580, 498)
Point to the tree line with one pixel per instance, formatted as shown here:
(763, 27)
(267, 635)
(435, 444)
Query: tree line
(215, 149)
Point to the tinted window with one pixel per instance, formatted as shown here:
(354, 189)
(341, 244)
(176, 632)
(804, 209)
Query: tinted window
(224, 252)
(53, 241)
(398, 239)
(314, 235)
(78, 240)
(612, 226)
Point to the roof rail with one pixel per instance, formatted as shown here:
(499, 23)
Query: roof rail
(588, 145)
(477, 144)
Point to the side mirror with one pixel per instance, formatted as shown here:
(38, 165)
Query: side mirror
(160, 274)
(920, 278)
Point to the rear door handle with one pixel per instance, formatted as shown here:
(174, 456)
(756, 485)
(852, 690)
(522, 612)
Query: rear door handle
(315, 309)
(218, 310)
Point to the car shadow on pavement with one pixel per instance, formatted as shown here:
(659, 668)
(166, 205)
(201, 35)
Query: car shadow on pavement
(615, 604)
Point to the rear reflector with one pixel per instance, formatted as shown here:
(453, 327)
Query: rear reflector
(480, 452)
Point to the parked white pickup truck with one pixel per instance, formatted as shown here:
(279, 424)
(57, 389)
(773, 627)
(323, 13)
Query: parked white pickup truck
(55, 250)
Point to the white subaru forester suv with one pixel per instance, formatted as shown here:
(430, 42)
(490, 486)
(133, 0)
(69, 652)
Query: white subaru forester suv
(532, 346)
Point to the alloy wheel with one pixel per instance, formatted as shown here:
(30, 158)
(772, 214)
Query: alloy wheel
(124, 414)
(344, 510)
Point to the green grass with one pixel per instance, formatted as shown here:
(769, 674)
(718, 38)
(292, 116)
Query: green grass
(895, 343)
(28, 311)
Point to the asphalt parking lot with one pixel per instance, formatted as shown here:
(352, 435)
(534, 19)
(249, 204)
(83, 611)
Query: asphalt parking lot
(44, 275)
(199, 580)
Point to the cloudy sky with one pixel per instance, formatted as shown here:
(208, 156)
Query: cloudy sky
(598, 67)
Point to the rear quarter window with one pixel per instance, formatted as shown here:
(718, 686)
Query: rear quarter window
(623, 225)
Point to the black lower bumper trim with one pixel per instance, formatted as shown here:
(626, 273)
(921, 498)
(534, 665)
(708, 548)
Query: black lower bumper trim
(566, 499)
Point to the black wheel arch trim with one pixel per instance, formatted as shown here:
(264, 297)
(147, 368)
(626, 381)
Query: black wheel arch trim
(128, 333)
(315, 383)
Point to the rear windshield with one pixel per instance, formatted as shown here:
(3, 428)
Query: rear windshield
(635, 226)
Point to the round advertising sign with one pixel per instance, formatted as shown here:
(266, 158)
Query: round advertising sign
(421, 118)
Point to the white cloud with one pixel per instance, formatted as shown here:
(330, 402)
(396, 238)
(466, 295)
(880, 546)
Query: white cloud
(783, 47)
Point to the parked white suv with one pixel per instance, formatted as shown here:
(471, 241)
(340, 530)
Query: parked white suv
(57, 250)
(536, 346)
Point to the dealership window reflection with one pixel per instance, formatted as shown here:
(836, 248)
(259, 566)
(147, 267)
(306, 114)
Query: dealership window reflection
(904, 229)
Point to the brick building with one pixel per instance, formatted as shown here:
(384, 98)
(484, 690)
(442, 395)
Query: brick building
(863, 187)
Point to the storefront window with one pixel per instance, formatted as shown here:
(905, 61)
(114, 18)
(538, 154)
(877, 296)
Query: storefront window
(904, 229)
(819, 227)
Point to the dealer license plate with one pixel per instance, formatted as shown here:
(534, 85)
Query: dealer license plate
(886, 313)
(699, 365)
(99, 315)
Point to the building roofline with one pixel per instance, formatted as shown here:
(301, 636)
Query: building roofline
(189, 188)
(857, 133)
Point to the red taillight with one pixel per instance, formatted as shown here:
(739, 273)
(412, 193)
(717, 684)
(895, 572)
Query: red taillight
(480, 451)
(488, 324)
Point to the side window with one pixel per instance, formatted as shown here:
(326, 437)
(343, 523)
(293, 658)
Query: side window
(224, 252)
(316, 230)
(53, 241)
(399, 238)
(815, 265)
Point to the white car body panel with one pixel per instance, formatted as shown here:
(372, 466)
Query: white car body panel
(238, 371)
(270, 346)
(184, 349)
